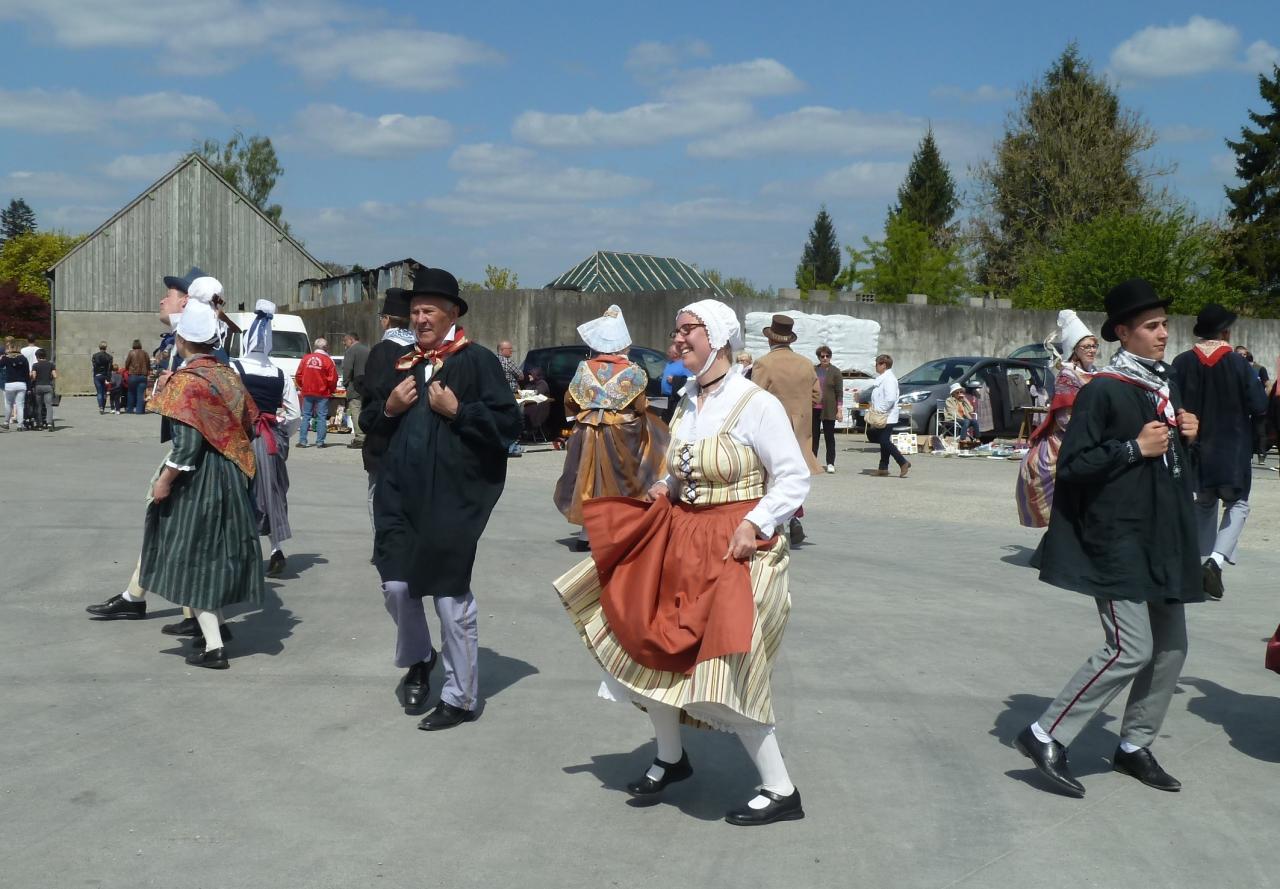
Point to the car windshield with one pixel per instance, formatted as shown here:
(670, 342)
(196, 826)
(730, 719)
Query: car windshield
(284, 344)
(945, 370)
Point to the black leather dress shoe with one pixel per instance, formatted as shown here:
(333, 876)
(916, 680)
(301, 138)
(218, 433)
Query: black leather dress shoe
(1141, 764)
(119, 608)
(797, 532)
(200, 643)
(1212, 574)
(188, 626)
(1050, 760)
(417, 686)
(671, 773)
(445, 716)
(213, 660)
(275, 566)
(780, 808)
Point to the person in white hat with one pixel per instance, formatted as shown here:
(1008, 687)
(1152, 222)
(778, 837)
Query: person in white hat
(959, 410)
(186, 557)
(276, 398)
(684, 600)
(617, 445)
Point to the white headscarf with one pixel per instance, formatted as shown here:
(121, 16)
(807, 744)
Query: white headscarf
(258, 339)
(608, 333)
(722, 324)
(198, 323)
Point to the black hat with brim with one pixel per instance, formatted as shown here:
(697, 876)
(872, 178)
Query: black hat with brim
(183, 284)
(395, 303)
(1212, 320)
(1126, 300)
(430, 282)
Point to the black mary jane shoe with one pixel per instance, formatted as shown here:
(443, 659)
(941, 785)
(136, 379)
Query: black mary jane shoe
(213, 660)
(1141, 764)
(780, 808)
(671, 773)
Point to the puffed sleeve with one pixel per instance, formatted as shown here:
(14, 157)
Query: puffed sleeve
(765, 427)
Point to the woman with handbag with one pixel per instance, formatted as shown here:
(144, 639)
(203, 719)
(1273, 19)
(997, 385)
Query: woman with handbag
(884, 415)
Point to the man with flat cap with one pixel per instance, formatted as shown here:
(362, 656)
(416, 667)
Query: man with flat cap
(1122, 530)
(1221, 388)
(445, 422)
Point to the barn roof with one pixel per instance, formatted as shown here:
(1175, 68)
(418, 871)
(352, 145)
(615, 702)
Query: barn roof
(607, 272)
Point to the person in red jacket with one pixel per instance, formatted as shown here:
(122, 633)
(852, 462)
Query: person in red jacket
(317, 378)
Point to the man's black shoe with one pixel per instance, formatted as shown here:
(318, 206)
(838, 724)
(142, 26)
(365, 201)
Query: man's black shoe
(417, 685)
(213, 660)
(1213, 587)
(188, 626)
(119, 608)
(445, 716)
(1050, 760)
(797, 532)
(781, 808)
(671, 773)
(1141, 764)
(199, 642)
(275, 566)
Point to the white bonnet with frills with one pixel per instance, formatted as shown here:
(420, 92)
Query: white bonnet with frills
(723, 328)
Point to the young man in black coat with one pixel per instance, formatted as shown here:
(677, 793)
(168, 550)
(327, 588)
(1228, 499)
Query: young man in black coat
(1122, 530)
(1221, 388)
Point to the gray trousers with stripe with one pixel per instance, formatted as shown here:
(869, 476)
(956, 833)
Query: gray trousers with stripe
(1145, 646)
(459, 642)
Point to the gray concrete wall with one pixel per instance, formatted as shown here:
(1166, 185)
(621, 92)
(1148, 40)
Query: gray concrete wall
(79, 334)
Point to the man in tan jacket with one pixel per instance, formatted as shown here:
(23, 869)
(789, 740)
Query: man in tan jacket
(793, 381)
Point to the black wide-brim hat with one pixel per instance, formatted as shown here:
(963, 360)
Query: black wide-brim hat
(1127, 299)
(425, 281)
(1212, 320)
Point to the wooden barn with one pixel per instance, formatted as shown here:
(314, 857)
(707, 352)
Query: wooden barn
(109, 286)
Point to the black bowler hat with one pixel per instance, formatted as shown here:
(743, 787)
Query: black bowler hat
(1126, 300)
(424, 281)
(1212, 320)
(183, 284)
(395, 303)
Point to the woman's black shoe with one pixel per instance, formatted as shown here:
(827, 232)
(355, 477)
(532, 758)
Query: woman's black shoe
(671, 773)
(188, 626)
(199, 643)
(780, 808)
(213, 660)
(275, 566)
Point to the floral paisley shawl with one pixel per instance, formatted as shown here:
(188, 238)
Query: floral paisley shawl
(210, 398)
(607, 383)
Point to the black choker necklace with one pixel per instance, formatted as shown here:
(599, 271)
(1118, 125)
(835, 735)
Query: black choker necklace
(702, 385)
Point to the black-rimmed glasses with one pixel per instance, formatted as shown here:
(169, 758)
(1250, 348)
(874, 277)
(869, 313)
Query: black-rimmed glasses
(685, 329)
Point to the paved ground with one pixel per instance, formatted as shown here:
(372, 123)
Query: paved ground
(919, 645)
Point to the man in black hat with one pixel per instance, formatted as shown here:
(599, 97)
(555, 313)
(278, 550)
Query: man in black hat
(446, 421)
(1122, 530)
(1219, 386)
(380, 376)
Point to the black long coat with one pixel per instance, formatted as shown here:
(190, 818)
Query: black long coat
(1122, 525)
(380, 377)
(1227, 396)
(440, 479)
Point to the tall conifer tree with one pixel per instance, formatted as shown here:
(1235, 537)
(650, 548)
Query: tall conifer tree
(16, 219)
(1255, 203)
(820, 262)
(928, 195)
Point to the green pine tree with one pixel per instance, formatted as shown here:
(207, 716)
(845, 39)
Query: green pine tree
(16, 219)
(928, 194)
(821, 255)
(1255, 204)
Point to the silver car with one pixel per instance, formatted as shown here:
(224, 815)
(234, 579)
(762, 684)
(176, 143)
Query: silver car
(1010, 384)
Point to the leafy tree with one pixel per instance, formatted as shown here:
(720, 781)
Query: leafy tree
(738, 286)
(16, 219)
(1255, 204)
(908, 261)
(928, 194)
(1069, 153)
(1183, 258)
(500, 278)
(23, 259)
(821, 254)
(250, 164)
(23, 313)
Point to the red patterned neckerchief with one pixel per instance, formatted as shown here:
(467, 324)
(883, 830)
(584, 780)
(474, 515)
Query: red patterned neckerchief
(210, 398)
(435, 356)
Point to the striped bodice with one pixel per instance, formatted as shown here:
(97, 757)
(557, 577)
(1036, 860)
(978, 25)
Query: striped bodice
(717, 469)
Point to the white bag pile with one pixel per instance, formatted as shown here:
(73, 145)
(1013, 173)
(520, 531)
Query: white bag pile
(854, 342)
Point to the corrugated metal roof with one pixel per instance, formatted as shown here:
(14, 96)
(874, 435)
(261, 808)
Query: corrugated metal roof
(607, 272)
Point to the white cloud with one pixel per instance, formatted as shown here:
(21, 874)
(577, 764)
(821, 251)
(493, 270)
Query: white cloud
(1223, 164)
(332, 128)
(818, 130)
(655, 56)
(568, 184)
(398, 59)
(76, 218)
(1202, 44)
(69, 111)
(866, 179)
(743, 80)
(54, 185)
(485, 157)
(646, 124)
(982, 94)
(145, 167)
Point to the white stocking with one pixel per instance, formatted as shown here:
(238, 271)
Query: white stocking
(762, 747)
(666, 731)
(209, 621)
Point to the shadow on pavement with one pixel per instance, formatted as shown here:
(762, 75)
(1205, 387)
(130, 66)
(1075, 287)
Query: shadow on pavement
(296, 563)
(263, 629)
(1251, 722)
(1089, 754)
(1018, 555)
(499, 672)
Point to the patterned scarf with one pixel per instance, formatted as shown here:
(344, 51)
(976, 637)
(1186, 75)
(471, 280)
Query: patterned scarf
(435, 356)
(402, 335)
(210, 398)
(1153, 378)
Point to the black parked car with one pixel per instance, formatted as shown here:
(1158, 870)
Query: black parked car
(559, 363)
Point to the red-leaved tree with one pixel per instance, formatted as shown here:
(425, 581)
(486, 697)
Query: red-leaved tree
(23, 313)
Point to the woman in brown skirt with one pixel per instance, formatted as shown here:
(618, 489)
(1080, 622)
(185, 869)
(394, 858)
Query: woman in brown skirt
(685, 598)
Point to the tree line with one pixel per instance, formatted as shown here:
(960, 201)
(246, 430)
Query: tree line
(1068, 205)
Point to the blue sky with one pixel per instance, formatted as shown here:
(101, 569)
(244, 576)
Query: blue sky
(530, 135)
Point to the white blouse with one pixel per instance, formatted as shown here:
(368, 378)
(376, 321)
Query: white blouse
(762, 426)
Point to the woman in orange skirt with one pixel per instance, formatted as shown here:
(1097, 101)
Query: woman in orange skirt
(617, 445)
(685, 599)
